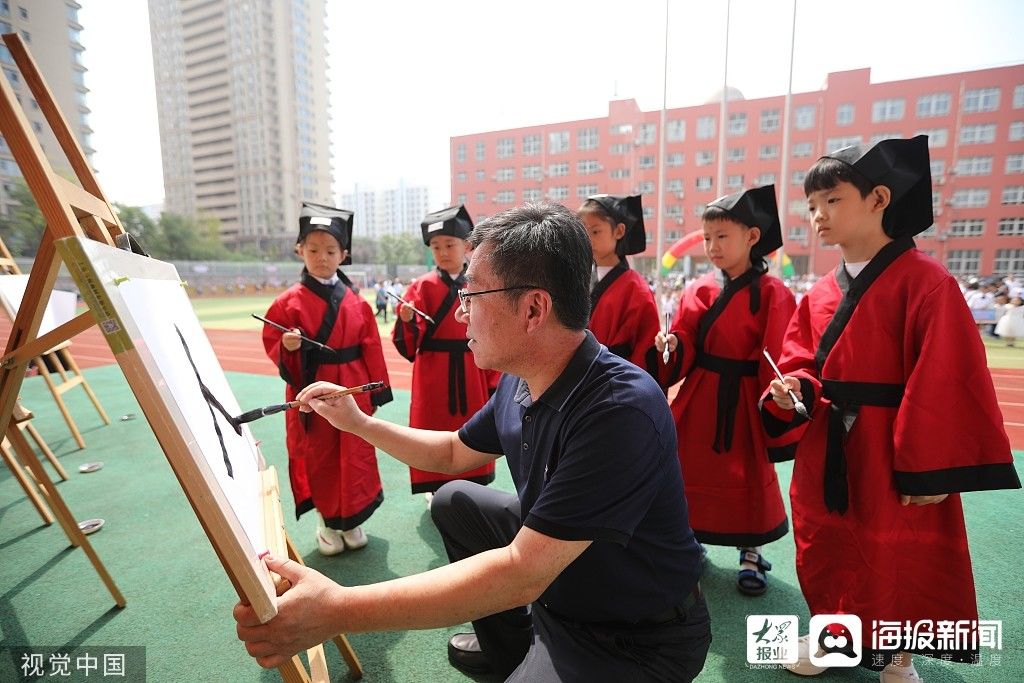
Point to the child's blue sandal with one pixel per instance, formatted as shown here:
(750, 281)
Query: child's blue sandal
(753, 581)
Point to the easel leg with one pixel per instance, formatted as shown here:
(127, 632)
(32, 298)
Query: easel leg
(70, 362)
(58, 398)
(45, 448)
(67, 520)
(355, 668)
(28, 486)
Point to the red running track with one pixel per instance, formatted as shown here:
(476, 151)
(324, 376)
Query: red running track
(241, 351)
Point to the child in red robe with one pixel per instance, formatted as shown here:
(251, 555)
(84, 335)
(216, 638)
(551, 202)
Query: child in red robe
(726, 319)
(331, 471)
(447, 386)
(623, 314)
(885, 355)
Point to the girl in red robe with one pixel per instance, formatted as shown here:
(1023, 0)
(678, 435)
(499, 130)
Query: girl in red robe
(329, 470)
(623, 314)
(727, 318)
(885, 355)
(447, 386)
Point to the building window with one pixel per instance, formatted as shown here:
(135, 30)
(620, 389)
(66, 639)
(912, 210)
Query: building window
(531, 195)
(480, 175)
(558, 170)
(460, 153)
(481, 151)
(481, 197)
(798, 177)
(461, 199)
(1011, 226)
(734, 182)
(1015, 163)
(558, 142)
(646, 161)
(647, 134)
(676, 131)
(587, 138)
(832, 144)
(587, 167)
(505, 197)
(804, 117)
(968, 227)
(506, 148)
(1008, 261)
(620, 173)
(797, 233)
(674, 211)
(1016, 131)
(936, 104)
(798, 207)
(23, 12)
(978, 134)
(803, 149)
(584, 191)
(983, 99)
(937, 137)
(888, 110)
(559, 192)
(505, 174)
(737, 154)
(704, 183)
(531, 145)
(675, 159)
(460, 177)
(938, 170)
(770, 120)
(647, 187)
(768, 152)
(705, 127)
(705, 157)
(532, 173)
(974, 197)
(699, 209)
(974, 166)
(963, 261)
(1013, 194)
(648, 214)
(844, 114)
(620, 148)
(675, 185)
(1018, 97)
(765, 179)
(737, 123)
(622, 129)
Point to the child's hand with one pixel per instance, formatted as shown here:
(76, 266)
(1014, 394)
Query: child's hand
(291, 341)
(405, 313)
(661, 340)
(780, 392)
(922, 500)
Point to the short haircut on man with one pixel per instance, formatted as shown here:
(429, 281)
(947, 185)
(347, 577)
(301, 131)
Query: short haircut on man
(544, 245)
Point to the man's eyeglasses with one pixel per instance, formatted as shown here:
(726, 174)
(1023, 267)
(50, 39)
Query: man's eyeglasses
(465, 295)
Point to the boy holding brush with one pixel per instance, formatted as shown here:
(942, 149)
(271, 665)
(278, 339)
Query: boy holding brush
(331, 471)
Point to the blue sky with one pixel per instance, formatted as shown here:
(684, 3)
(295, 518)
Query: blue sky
(451, 67)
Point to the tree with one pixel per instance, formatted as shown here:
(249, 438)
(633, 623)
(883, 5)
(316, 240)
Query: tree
(23, 228)
(190, 239)
(404, 249)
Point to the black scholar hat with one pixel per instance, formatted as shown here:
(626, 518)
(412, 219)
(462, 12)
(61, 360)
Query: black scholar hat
(628, 210)
(336, 222)
(453, 221)
(904, 167)
(755, 207)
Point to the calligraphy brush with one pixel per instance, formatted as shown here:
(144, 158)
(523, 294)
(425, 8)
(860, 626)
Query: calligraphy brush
(281, 407)
(285, 329)
(414, 309)
(666, 352)
(797, 405)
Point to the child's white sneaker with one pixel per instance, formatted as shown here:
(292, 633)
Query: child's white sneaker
(429, 497)
(354, 539)
(329, 541)
(899, 674)
(803, 666)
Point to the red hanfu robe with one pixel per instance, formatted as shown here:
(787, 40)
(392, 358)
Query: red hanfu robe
(624, 317)
(330, 470)
(901, 385)
(447, 386)
(731, 486)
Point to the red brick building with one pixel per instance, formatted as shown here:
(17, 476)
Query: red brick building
(975, 121)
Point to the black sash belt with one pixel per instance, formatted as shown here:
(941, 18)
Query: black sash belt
(729, 372)
(330, 356)
(456, 350)
(847, 398)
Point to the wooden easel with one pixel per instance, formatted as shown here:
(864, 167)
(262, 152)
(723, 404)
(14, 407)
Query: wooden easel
(33, 490)
(73, 211)
(65, 374)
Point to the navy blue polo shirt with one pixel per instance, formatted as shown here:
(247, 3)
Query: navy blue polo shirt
(594, 458)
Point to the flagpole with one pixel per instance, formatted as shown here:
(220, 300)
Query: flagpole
(725, 98)
(784, 184)
(660, 239)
